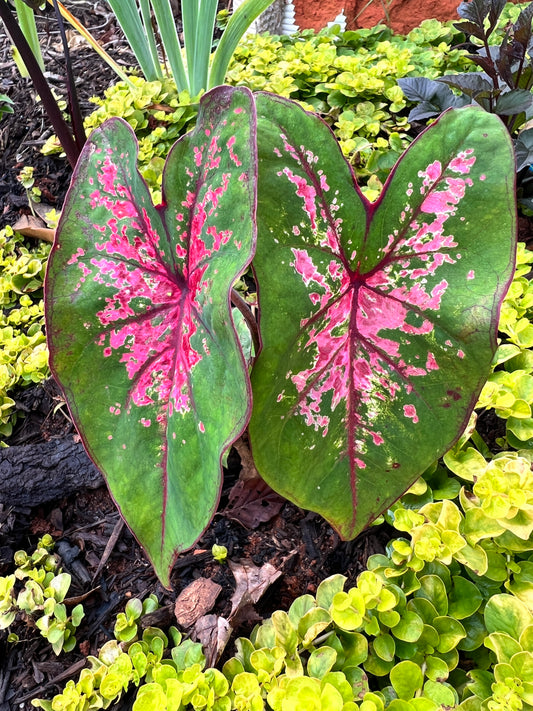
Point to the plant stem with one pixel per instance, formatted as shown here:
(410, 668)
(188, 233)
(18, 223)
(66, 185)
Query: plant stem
(73, 102)
(240, 303)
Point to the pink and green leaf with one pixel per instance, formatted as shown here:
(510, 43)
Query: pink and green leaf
(139, 317)
(378, 320)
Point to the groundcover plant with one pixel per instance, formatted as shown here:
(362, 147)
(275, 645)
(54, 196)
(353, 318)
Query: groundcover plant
(378, 320)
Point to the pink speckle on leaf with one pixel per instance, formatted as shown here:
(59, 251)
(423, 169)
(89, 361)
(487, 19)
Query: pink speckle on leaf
(108, 177)
(77, 254)
(410, 412)
(462, 164)
(431, 363)
(305, 191)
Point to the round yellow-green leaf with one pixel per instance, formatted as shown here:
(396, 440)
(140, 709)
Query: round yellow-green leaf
(406, 678)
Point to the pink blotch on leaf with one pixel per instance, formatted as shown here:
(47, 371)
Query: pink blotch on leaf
(108, 177)
(77, 254)
(123, 208)
(303, 264)
(230, 143)
(444, 202)
(410, 412)
(431, 363)
(305, 191)
(431, 174)
(462, 164)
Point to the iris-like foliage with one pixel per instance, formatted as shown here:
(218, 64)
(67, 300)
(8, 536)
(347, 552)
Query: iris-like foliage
(377, 319)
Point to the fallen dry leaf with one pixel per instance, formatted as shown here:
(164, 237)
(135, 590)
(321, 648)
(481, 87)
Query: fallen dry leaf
(248, 470)
(195, 601)
(214, 633)
(251, 583)
(252, 502)
(31, 226)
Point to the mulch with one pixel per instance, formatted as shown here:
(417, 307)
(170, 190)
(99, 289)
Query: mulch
(106, 564)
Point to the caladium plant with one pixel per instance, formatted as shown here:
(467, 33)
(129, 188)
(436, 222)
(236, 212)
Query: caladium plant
(139, 317)
(378, 320)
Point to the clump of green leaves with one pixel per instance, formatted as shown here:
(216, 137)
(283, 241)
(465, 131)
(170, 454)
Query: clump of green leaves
(155, 110)
(23, 351)
(27, 180)
(509, 388)
(502, 42)
(397, 640)
(348, 78)
(37, 589)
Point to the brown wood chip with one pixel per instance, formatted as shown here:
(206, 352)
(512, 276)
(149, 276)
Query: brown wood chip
(195, 601)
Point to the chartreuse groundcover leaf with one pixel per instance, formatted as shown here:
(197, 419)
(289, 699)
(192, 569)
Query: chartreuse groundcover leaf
(378, 320)
(139, 317)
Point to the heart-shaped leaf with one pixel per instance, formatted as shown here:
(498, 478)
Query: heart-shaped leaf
(139, 321)
(378, 320)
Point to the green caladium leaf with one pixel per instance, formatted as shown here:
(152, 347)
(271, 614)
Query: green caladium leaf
(139, 321)
(378, 320)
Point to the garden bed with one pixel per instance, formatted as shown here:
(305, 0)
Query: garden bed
(288, 550)
(299, 545)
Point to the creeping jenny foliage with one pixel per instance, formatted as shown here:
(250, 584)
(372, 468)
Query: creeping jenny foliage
(421, 629)
(377, 319)
(443, 619)
(349, 78)
(156, 382)
(23, 351)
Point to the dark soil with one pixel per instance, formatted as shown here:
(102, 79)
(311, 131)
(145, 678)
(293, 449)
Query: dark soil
(106, 564)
